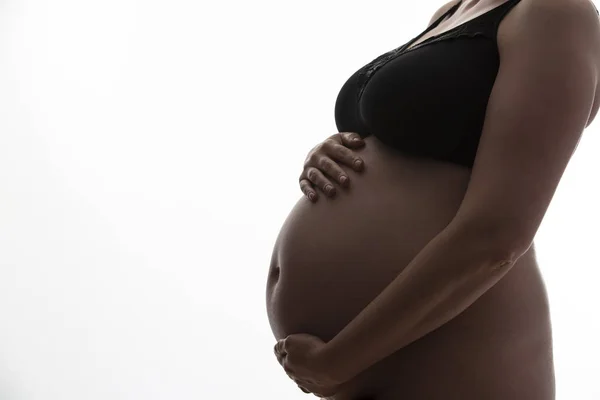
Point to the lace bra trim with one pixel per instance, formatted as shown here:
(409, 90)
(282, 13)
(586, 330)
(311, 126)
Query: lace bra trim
(368, 70)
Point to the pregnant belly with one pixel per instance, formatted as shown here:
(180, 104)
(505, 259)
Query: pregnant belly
(333, 257)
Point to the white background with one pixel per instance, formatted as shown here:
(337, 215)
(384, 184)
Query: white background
(149, 153)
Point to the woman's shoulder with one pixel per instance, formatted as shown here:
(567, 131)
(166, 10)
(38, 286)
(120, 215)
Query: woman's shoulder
(440, 11)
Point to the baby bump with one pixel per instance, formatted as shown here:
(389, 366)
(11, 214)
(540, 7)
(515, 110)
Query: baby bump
(331, 258)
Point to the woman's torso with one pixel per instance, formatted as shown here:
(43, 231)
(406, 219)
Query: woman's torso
(333, 257)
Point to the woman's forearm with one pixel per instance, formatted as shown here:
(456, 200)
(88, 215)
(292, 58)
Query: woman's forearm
(445, 278)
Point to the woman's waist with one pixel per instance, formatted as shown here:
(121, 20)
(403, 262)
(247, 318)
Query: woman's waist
(504, 336)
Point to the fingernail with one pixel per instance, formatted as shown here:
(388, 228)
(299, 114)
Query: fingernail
(311, 196)
(358, 163)
(343, 180)
(329, 189)
(355, 139)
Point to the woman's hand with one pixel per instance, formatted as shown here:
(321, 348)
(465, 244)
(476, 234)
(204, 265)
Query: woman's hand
(322, 163)
(303, 358)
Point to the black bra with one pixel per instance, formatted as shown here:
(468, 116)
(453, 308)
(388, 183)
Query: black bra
(429, 100)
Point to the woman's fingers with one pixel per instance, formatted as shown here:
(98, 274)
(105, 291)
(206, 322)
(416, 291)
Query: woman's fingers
(308, 190)
(308, 388)
(352, 139)
(333, 170)
(322, 165)
(279, 351)
(317, 178)
(301, 385)
(321, 160)
(342, 154)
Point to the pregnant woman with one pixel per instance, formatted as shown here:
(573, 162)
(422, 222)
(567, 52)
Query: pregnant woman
(419, 281)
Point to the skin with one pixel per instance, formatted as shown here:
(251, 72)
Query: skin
(487, 332)
(320, 289)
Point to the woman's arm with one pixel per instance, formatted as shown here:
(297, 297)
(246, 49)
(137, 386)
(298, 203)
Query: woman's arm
(446, 277)
(539, 106)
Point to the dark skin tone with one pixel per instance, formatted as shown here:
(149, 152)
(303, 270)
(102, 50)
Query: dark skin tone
(484, 250)
(301, 300)
(322, 166)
